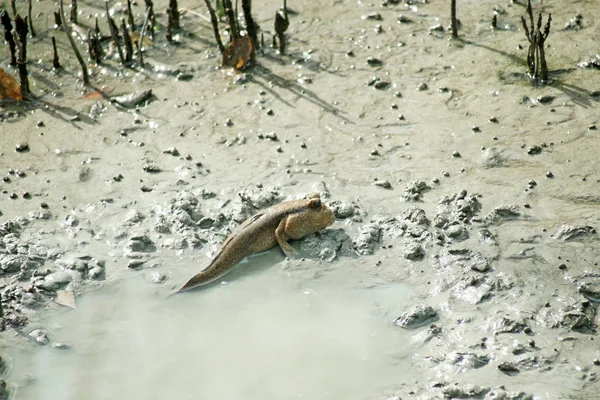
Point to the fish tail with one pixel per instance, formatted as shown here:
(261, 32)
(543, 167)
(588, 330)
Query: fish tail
(195, 281)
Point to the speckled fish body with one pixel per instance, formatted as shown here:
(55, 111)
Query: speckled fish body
(270, 227)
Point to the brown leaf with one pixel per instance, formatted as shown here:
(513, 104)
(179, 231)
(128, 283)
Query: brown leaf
(65, 298)
(135, 37)
(9, 87)
(100, 94)
(239, 53)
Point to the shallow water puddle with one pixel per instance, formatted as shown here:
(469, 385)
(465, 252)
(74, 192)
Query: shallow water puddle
(260, 337)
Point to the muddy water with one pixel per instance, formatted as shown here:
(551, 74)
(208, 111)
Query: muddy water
(263, 336)
(256, 337)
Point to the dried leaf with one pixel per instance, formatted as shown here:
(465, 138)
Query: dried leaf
(100, 94)
(9, 87)
(65, 298)
(135, 37)
(239, 53)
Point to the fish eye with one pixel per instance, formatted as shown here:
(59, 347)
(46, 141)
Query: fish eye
(315, 204)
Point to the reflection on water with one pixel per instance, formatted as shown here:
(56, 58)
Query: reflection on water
(263, 336)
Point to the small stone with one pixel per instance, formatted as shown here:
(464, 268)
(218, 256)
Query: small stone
(172, 151)
(374, 16)
(383, 184)
(136, 264)
(61, 346)
(414, 252)
(40, 124)
(151, 169)
(44, 205)
(456, 154)
(303, 145)
(562, 266)
(422, 86)
(596, 361)
(184, 76)
(402, 19)
(508, 368)
(39, 337)
(13, 196)
(380, 85)
(545, 99)
(549, 174)
(96, 273)
(592, 127)
(157, 277)
(374, 152)
(279, 149)
(26, 195)
(476, 129)
(374, 62)
(532, 184)
(416, 317)
(493, 119)
(206, 223)
(533, 150)
(270, 112)
(22, 147)
(373, 80)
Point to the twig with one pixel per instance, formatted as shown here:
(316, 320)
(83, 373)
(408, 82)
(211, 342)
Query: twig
(84, 70)
(141, 40)
(453, 18)
(22, 30)
(94, 46)
(114, 33)
(282, 23)
(127, 42)
(73, 13)
(150, 5)
(173, 12)
(5, 19)
(55, 62)
(536, 57)
(231, 20)
(57, 20)
(130, 16)
(13, 8)
(29, 7)
(251, 27)
(215, 24)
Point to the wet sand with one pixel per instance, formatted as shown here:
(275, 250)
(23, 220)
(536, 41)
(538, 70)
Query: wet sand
(457, 184)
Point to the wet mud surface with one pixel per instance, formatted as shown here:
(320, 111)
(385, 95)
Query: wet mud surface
(464, 258)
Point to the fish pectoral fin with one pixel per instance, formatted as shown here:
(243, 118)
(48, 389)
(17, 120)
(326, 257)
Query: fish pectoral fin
(282, 240)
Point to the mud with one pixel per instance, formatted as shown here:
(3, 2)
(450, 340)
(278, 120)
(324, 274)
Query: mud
(464, 258)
